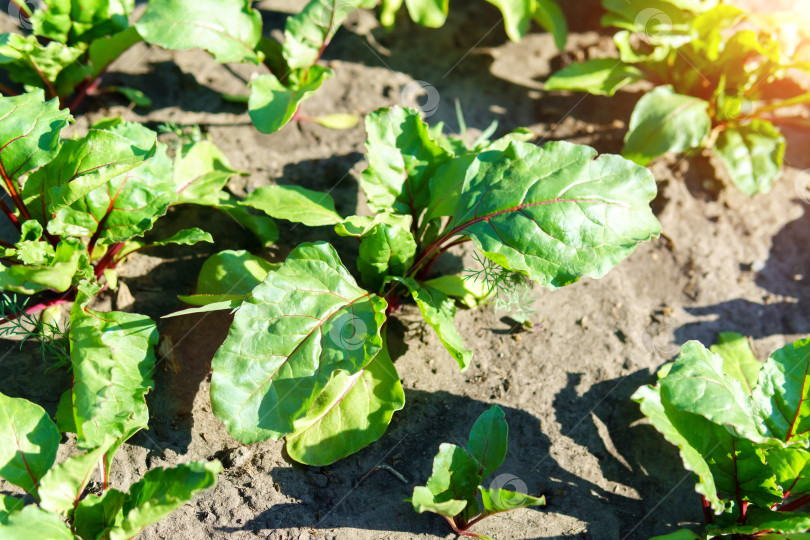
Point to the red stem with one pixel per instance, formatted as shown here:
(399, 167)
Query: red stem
(12, 191)
(708, 516)
(40, 307)
(458, 531)
(794, 505)
(10, 214)
(108, 260)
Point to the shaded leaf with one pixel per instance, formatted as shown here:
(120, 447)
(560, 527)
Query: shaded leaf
(386, 250)
(350, 413)
(9, 504)
(488, 441)
(28, 442)
(95, 514)
(454, 481)
(63, 485)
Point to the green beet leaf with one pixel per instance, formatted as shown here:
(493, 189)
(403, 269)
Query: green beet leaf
(453, 483)
(77, 21)
(599, 76)
(83, 165)
(34, 523)
(698, 384)
(503, 500)
(56, 274)
(548, 14)
(439, 312)
(430, 13)
(228, 29)
(350, 413)
(783, 390)
(32, 64)
(272, 104)
(402, 159)
(95, 515)
(113, 359)
(307, 33)
(28, 443)
(63, 485)
(232, 272)
(664, 121)
(307, 320)
(753, 155)
(488, 440)
(201, 170)
(160, 492)
(553, 212)
(263, 227)
(30, 134)
(385, 250)
(792, 468)
(738, 359)
(9, 504)
(294, 203)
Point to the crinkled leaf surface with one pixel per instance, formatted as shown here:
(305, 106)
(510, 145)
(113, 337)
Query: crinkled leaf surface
(160, 492)
(34, 523)
(738, 359)
(783, 390)
(362, 226)
(29, 128)
(753, 155)
(83, 165)
(664, 121)
(228, 29)
(123, 207)
(452, 484)
(697, 384)
(62, 486)
(599, 76)
(113, 360)
(350, 413)
(792, 468)
(307, 320)
(759, 520)
(32, 64)
(554, 212)
(294, 203)
(402, 159)
(56, 274)
(439, 311)
(76, 21)
(488, 440)
(272, 104)
(28, 442)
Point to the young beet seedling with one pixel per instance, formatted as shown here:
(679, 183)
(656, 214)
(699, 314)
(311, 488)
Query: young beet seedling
(517, 16)
(306, 356)
(743, 428)
(63, 509)
(721, 74)
(453, 490)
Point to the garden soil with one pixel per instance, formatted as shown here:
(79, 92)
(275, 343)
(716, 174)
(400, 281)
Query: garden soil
(725, 262)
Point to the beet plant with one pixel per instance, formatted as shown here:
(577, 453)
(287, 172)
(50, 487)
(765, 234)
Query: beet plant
(517, 15)
(742, 428)
(82, 205)
(722, 76)
(454, 490)
(68, 48)
(64, 507)
(306, 357)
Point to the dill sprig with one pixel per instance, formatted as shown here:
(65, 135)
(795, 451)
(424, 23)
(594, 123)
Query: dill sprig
(53, 341)
(511, 290)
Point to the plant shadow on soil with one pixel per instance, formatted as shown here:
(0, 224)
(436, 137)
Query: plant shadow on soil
(786, 273)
